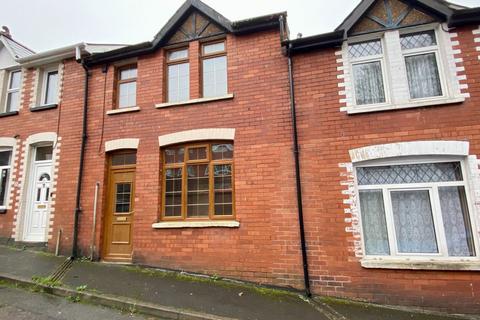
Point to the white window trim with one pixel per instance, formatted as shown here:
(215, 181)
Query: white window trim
(9, 91)
(10, 174)
(395, 78)
(43, 94)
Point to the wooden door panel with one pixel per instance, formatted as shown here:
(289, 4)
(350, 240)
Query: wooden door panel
(119, 215)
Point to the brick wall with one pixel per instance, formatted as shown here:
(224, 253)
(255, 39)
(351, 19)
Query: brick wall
(327, 135)
(265, 248)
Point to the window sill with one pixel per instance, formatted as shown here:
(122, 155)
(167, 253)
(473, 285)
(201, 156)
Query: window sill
(416, 104)
(446, 265)
(8, 114)
(194, 101)
(195, 224)
(44, 107)
(123, 110)
(3, 210)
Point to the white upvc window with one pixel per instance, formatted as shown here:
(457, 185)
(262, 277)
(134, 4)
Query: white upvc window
(417, 209)
(12, 101)
(367, 66)
(397, 69)
(50, 83)
(5, 168)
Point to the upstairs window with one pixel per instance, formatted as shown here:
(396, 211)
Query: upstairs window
(416, 210)
(13, 91)
(50, 87)
(127, 86)
(214, 69)
(367, 68)
(5, 167)
(420, 51)
(178, 76)
(198, 182)
(395, 69)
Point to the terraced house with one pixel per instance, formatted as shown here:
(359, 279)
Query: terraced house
(342, 164)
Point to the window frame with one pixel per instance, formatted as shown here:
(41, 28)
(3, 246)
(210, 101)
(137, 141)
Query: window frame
(118, 81)
(9, 167)
(441, 241)
(173, 62)
(205, 56)
(9, 91)
(369, 59)
(45, 84)
(439, 58)
(183, 165)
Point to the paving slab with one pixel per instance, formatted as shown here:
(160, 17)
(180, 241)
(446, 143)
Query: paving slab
(207, 296)
(26, 264)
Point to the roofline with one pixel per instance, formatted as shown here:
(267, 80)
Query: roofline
(240, 27)
(464, 17)
(52, 55)
(320, 41)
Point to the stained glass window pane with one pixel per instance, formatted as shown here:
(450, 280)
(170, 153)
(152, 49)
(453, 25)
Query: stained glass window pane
(222, 151)
(365, 49)
(418, 40)
(410, 173)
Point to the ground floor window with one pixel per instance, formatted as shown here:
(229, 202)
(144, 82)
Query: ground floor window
(416, 210)
(198, 181)
(5, 164)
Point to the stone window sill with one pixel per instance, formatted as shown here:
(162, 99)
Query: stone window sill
(123, 110)
(8, 114)
(415, 104)
(195, 224)
(194, 101)
(44, 107)
(446, 265)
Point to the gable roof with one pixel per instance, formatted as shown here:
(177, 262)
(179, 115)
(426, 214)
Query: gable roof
(161, 38)
(16, 49)
(438, 8)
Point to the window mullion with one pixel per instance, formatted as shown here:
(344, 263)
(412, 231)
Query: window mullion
(438, 222)
(387, 202)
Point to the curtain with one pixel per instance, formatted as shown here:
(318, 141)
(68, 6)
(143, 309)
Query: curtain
(414, 227)
(456, 221)
(368, 83)
(423, 77)
(373, 222)
(3, 185)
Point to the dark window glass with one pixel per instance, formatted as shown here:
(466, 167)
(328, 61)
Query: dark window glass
(44, 153)
(123, 159)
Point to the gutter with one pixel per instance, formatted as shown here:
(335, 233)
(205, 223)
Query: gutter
(78, 208)
(296, 154)
(51, 55)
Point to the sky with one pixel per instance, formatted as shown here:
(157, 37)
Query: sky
(48, 24)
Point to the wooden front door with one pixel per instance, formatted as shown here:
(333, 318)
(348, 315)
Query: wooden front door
(120, 209)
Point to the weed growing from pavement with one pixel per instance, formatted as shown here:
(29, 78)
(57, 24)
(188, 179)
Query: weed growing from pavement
(215, 279)
(46, 281)
(81, 288)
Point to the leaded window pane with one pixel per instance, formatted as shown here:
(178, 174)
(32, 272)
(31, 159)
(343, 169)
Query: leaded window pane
(374, 222)
(198, 192)
(365, 49)
(456, 221)
(414, 228)
(423, 76)
(418, 40)
(173, 192)
(410, 173)
(368, 83)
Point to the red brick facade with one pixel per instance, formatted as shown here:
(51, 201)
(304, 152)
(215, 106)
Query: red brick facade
(265, 248)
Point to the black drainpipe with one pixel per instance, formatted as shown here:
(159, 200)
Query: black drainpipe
(78, 208)
(296, 154)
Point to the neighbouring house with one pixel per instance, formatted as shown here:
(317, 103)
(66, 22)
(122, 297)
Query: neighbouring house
(344, 164)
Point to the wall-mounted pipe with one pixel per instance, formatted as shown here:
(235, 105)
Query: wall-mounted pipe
(78, 208)
(296, 155)
(94, 221)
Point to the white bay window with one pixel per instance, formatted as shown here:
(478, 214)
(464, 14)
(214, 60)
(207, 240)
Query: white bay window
(416, 210)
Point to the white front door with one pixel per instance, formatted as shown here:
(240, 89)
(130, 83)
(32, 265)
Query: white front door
(38, 198)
